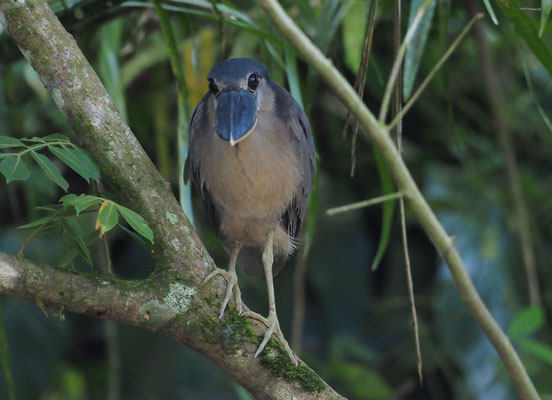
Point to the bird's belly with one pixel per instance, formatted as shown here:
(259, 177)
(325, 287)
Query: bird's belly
(252, 188)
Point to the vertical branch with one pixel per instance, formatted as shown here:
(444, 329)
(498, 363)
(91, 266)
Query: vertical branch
(505, 141)
(183, 107)
(396, 109)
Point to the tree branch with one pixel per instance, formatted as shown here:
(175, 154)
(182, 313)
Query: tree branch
(378, 134)
(173, 301)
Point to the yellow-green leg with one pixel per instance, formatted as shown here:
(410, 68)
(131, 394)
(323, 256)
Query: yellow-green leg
(272, 323)
(231, 281)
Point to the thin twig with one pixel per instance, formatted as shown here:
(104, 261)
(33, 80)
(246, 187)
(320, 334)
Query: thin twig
(360, 80)
(436, 68)
(397, 110)
(399, 59)
(492, 88)
(362, 204)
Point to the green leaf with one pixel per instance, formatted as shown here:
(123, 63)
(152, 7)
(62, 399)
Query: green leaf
(8, 141)
(88, 163)
(388, 208)
(14, 169)
(526, 322)
(415, 51)
(525, 28)
(490, 11)
(50, 170)
(85, 201)
(68, 200)
(354, 25)
(136, 221)
(74, 237)
(537, 349)
(107, 217)
(37, 222)
(56, 137)
(76, 161)
(546, 7)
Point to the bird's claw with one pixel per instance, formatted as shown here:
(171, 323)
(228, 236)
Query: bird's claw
(273, 327)
(231, 287)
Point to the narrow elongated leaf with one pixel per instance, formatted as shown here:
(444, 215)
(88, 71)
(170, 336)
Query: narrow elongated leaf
(388, 208)
(14, 169)
(136, 221)
(50, 170)
(56, 137)
(107, 217)
(71, 158)
(8, 141)
(37, 222)
(85, 201)
(525, 28)
(415, 51)
(74, 237)
(526, 322)
(490, 10)
(546, 7)
(538, 349)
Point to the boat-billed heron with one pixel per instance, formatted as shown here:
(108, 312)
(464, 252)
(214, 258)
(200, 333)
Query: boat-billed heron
(251, 157)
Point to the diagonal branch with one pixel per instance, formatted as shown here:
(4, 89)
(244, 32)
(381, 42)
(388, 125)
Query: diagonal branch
(378, 134)
(172, 301)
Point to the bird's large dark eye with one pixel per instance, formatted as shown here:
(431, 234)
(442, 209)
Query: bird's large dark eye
(253, 81)
(213, 86)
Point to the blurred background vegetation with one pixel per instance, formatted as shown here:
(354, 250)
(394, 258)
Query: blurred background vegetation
(357, 331)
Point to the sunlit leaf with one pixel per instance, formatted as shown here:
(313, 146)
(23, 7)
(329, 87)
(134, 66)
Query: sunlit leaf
(353, 33)
(526, 322)
(14, 169)
(136, 221)
(68, 200)
(50, 170)
(107, 217)
(415, 51)
(8, 141)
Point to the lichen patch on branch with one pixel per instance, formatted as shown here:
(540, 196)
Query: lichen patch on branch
(179, 297)
(8, 275)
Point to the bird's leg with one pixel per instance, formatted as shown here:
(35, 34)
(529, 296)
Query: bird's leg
(272, 323)
(231, 281)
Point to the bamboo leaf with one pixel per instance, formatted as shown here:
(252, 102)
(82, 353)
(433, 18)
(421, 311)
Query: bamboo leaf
(107, 217)
(526, 322)
(50, 170)
(491, 12)
(546, 7)
(388, 208)
(415, 51)
(525, 28)
(136, 221)
(14, 169)
(8, 141)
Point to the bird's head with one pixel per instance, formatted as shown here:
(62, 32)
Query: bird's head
(237, 85)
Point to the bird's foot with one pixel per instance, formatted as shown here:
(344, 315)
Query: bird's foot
(273, 327)
(231, 287)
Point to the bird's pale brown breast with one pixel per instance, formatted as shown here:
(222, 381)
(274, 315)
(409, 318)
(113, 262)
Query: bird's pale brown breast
(253, 182)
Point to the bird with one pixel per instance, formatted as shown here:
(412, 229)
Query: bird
(251, 157)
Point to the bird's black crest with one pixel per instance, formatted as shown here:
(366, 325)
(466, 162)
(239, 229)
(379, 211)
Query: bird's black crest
(237, 68)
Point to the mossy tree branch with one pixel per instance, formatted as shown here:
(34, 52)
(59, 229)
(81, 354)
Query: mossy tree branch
(172, 302)
(378, 134)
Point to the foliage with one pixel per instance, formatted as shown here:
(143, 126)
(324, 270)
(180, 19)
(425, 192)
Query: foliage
(357, 331)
